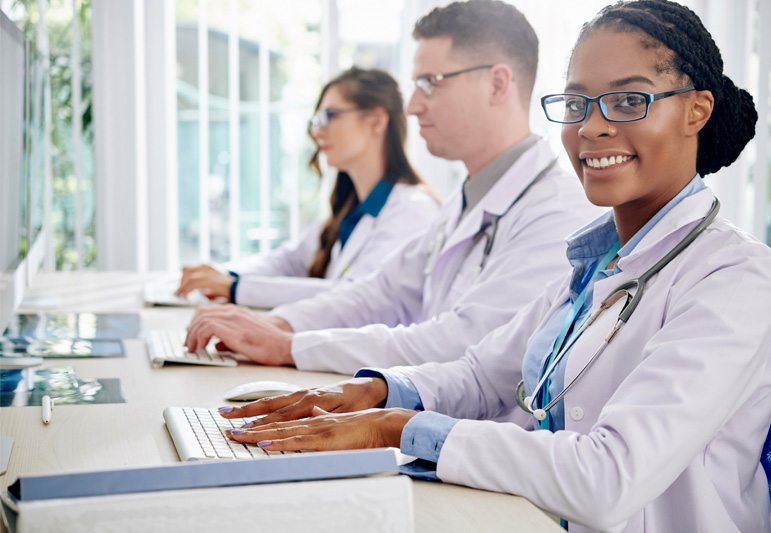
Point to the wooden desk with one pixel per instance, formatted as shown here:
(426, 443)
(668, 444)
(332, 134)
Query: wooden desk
(133, 434)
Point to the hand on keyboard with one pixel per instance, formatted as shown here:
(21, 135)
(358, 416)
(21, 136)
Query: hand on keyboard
(352, 395)
(212, 282)
(373, 428)
(198, 434)
(242, 331)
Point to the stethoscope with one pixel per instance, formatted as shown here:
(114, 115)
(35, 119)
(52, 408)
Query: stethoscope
(527, 402)
(435, 248)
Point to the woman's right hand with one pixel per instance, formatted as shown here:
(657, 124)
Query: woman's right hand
(212, 282)
(356, 394)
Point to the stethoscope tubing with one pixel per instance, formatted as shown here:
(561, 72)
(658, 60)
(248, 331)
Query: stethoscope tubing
(606, 304)
(623, 289)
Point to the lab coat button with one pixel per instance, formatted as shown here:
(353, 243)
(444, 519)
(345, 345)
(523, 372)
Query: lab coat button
(576, 413)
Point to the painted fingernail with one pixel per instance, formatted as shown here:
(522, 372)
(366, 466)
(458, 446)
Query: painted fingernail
(236, 432)
(248, 425)
(225, 409)
(263, 443)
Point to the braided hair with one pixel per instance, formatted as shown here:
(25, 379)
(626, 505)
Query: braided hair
(691, 53)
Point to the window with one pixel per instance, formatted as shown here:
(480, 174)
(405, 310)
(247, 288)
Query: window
(248, 73)
(261, 77)
(71, 148)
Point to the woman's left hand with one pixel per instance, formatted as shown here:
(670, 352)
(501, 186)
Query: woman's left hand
(373, 428)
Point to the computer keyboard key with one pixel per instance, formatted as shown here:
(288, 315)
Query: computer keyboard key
(167, 346)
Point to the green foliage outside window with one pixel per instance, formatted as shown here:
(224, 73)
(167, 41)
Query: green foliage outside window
(62, 224)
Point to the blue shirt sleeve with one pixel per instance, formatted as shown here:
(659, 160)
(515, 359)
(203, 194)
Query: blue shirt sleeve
(401, 391)
(424, 435)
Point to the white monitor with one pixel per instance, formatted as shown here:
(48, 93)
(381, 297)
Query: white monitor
(35, 159)
(13, 183)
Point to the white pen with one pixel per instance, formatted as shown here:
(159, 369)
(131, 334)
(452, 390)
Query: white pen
(48, 407)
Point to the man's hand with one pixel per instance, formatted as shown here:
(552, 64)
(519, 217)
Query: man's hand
(242, 331)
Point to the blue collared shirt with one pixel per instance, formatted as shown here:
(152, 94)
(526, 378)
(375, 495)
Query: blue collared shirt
(371, 205)
(425, 434)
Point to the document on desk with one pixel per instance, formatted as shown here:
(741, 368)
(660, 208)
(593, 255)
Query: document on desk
(61, 348)
(28, 386)
(62, 325)
(373, 504)
(294, 467)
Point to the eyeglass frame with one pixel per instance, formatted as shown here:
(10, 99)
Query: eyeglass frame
(649, 99)
(427, 82)
(317, 122)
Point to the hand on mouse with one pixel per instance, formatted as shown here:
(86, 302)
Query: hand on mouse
(353, 395)
(214, 284)
(242, 331)
(372, 428)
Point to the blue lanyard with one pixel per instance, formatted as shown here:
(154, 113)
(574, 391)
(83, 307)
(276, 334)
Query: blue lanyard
(570, 322)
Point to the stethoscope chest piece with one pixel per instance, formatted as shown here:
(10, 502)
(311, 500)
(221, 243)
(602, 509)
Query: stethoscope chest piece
(526, 402)
(522, 399)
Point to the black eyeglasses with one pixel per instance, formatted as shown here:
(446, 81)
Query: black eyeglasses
(323, 116)
(616, 106)
(427, 82)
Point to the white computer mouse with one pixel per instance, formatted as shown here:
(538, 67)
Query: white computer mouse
(259, 389)
(11, 363)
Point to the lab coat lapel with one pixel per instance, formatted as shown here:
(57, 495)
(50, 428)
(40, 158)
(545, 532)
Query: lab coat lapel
(499, 198)
(352, 248)
(669, 231)
(435, 272)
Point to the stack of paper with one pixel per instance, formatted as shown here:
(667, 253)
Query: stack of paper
(295, 492)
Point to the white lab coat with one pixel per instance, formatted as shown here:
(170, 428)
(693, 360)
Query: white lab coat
(663, 433)
(281, 276)
(404, 315)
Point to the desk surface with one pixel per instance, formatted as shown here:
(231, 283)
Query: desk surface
(133, 434)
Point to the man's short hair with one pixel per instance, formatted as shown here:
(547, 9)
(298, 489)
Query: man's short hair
(489, 30)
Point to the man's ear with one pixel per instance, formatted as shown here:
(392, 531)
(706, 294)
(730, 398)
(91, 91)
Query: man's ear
(502, 84)
(699, 109)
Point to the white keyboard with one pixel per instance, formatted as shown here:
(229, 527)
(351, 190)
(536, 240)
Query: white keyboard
(167, 346)
(198, 435)
(162, 294)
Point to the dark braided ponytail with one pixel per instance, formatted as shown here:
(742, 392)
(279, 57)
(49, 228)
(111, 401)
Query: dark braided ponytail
(695, 55)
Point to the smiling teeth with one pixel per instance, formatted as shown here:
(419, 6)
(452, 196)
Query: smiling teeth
(607, 161)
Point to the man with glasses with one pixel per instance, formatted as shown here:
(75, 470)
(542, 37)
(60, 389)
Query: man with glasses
(498, 241)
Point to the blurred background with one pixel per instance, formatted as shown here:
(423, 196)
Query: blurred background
(175, 131)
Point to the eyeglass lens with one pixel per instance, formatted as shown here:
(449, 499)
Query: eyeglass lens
(319, 120)
(623, 106)
(425, 85)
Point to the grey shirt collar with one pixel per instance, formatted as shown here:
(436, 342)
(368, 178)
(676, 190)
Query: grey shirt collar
(474, 189)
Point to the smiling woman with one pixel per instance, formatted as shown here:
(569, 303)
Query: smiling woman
(664, 431)
(653, 168)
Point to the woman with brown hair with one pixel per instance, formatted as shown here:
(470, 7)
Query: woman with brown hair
(378, 201)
